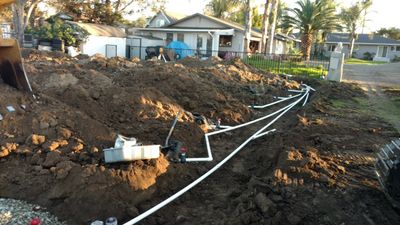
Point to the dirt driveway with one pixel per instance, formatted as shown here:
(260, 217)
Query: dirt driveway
(375, 75)
(382, 83)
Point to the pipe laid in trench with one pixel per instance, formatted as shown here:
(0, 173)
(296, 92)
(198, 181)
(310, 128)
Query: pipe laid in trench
(206, 136)
(211, 171)
(273, 103)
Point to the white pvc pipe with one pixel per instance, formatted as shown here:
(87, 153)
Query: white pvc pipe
(273, 103)
(265, 133)
(297, 91)
(305, 101)
(210, 158)
(208, 173)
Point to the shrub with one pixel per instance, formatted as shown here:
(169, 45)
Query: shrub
(368, 56)
(58, 29)
(396, 59)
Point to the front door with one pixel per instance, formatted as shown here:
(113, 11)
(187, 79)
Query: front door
(382, 51)
(209, 46)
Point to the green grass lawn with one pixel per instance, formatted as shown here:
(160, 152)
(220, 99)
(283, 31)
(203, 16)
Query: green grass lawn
(288, 67)
(354, 61)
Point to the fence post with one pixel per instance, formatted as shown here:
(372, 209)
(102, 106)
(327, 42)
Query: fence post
(279, 64)
(336, 66)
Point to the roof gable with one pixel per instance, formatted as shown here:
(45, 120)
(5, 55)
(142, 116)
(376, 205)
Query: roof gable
(168, 16)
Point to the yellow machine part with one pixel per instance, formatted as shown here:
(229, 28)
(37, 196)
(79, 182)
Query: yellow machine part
(11, 68)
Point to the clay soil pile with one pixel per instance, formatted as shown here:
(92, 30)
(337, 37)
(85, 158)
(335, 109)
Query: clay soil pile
(53, 144)
(317, 168)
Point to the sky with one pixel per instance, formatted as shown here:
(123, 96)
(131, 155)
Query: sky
(383, 13)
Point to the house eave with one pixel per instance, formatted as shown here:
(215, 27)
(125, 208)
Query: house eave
(362, 43)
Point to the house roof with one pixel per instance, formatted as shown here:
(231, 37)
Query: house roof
(172, 17)
(230, 24)
(102, 30)
(255, 32)
(362, 39)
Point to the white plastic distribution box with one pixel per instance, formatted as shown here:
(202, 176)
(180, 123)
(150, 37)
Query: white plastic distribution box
(131, 153)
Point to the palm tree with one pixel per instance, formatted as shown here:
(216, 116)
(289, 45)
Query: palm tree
(275, 6)
(352, 17)
(247, 34)
(311, 17)
(265, 24)
(221, 8)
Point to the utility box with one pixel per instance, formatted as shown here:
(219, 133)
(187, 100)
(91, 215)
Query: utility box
(127, 149)
(336, 66)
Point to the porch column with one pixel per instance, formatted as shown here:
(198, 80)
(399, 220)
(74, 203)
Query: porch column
(215, 44)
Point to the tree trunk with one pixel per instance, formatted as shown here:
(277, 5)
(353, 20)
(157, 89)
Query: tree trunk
(271, 35)
(247, 35)
(352, 40)
(265, 25)
(306, 43)
(29, 12)
(18, 20)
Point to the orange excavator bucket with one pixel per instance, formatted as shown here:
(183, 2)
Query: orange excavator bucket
(11, 68)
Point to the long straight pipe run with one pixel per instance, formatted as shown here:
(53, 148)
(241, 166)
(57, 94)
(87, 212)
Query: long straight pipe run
(211, 171)
(273, 103)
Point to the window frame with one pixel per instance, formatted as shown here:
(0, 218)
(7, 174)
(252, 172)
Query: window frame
(225, 45)
(183, 37)
(199, 41)
(169, 40)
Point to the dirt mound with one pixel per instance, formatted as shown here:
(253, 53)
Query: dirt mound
(318, 162)
(84, 102)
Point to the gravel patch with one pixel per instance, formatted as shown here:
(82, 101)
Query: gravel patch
(15, 212)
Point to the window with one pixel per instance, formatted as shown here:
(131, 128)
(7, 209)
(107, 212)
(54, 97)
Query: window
(225, 41)
(331, 48)
(199, 41)
(170, 37)
(181, 37)
(398, 49)
(160, 23)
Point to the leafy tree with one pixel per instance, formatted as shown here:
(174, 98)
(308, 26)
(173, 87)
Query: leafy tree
(110, 12)
(6, 14)
(352, 17)
(239, 16)
(311, 17)
(58, 29)
(393, 32)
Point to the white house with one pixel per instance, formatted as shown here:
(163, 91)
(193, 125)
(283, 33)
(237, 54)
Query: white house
(381, 48)
(212, 36)
(106, 40)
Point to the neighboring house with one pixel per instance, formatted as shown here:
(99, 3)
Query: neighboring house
(382, 48)
(164, 18)
(106, 40)
(212, 36)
